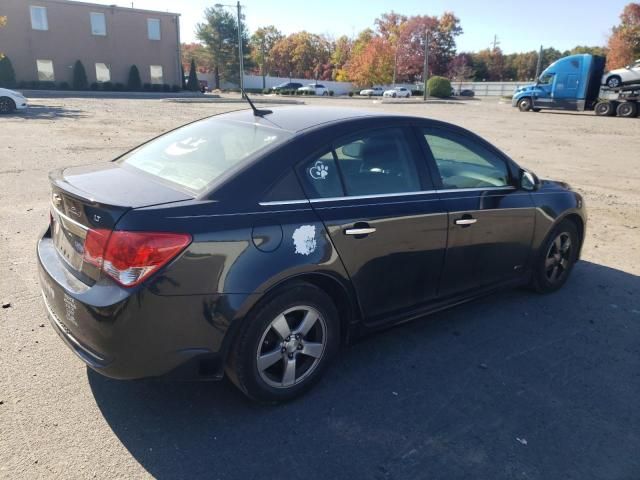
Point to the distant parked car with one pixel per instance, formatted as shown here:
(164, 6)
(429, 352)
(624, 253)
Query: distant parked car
(286, 86)
(398, 92)
(10, 101)
(622, 76)
(374, 91)
(464, 93)
(317, 88)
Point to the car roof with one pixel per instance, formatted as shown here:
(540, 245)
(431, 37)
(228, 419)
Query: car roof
(298, 118)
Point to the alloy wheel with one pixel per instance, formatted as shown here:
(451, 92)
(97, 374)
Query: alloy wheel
(558, 258)
(291, 347)
(5, 105)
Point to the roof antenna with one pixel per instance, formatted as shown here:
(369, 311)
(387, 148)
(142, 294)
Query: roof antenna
(256, 111)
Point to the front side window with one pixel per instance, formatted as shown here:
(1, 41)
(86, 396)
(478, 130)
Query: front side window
(546, 79)
(98, 24)
(153, 28)
(156, 74)
(39, 18)
(197, 154)
(373, 163)
(45, 70)
(464, 163)
(103, 74)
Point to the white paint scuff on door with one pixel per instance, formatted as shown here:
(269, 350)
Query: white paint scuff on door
(304, 239)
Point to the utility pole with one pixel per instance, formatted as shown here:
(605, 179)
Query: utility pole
(539, 65)
(495, 42)
(425, 71)
(240, 49)
(395, 64)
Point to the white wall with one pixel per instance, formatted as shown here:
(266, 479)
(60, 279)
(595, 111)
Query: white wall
(491, 89)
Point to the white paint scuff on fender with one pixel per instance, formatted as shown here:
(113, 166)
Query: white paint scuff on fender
(304, 239)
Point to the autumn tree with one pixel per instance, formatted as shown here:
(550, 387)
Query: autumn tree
(374, 64)
(302, 54)
(199, 54)
(340, 56)
(461, 68)
(3, 22)
(261, 43)
(219, 33)
(624, 42)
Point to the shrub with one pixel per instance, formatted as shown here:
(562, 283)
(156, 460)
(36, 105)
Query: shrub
(63, 85)
(331, 92)
(439, 87)
(351, 94)
(193, 83)
(166, 87)
(156, 87)
(134, 83)
(175, 88)
(80, 81)
(107, 86)
(7, 73)
(146, 86)
(119, 87)
(416, 93)
(265, 91)
(94, 86)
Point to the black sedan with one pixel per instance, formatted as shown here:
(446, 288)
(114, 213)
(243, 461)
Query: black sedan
(255, 243)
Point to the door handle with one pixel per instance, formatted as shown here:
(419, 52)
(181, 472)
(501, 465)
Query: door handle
(466, 221)
(359, 231)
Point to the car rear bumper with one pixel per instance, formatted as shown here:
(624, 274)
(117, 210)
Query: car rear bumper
(135, 333)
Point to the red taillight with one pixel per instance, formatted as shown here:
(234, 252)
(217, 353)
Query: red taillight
(130, 257)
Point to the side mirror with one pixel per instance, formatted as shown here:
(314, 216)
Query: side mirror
(528, 181)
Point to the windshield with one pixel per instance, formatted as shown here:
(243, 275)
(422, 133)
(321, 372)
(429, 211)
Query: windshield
(195, 155)
(545, 79)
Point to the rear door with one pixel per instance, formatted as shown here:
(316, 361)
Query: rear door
(374, 195)
(490, 223)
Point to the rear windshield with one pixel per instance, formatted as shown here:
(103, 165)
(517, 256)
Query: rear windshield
(195, 155)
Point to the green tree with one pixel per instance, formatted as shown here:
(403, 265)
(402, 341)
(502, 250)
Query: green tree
(219, 33)
(134, 83)
(261, 43)
(340, 56)
(7, 73)
(193, 84)
(80, 81)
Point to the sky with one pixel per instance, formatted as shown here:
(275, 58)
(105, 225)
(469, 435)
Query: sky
(520, 26)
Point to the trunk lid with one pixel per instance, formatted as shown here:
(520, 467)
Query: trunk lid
(96, 197)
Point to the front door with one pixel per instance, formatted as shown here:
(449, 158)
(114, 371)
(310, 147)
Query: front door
(490, 223)
(373, 194)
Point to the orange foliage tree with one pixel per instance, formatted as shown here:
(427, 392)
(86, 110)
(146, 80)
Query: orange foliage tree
(624, 42)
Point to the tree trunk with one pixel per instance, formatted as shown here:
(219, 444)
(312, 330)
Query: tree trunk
(216, 77)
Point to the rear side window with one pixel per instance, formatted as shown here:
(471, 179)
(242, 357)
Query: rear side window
(193, 156)
(464, 163)
(378, 162)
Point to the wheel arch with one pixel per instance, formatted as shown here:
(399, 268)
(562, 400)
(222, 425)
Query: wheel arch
(578, 221)
(341, 294)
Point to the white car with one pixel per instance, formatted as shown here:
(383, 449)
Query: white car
(372, 92)
(317, 88)
(11, 101)
(397, 92)
(622, 76)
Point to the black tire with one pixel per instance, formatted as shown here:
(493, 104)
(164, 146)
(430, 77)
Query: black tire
(325, 94)
(537, 110)
(605, 109)
(525, 104)
(7, 105)
(553, 264)
(614, 81)
(627, 110)
(259, 338)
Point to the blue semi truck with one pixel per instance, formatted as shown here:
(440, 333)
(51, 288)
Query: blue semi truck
(575, 83)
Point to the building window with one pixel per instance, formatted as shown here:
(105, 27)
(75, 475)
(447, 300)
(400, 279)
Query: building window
(45, 70)
(103, 74)
(98, 24)
(156, 74)
(39, 18)
(153, 28)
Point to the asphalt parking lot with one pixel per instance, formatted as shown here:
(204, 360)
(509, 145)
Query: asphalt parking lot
(514, 386)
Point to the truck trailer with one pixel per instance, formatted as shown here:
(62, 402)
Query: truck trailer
(575, 83)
